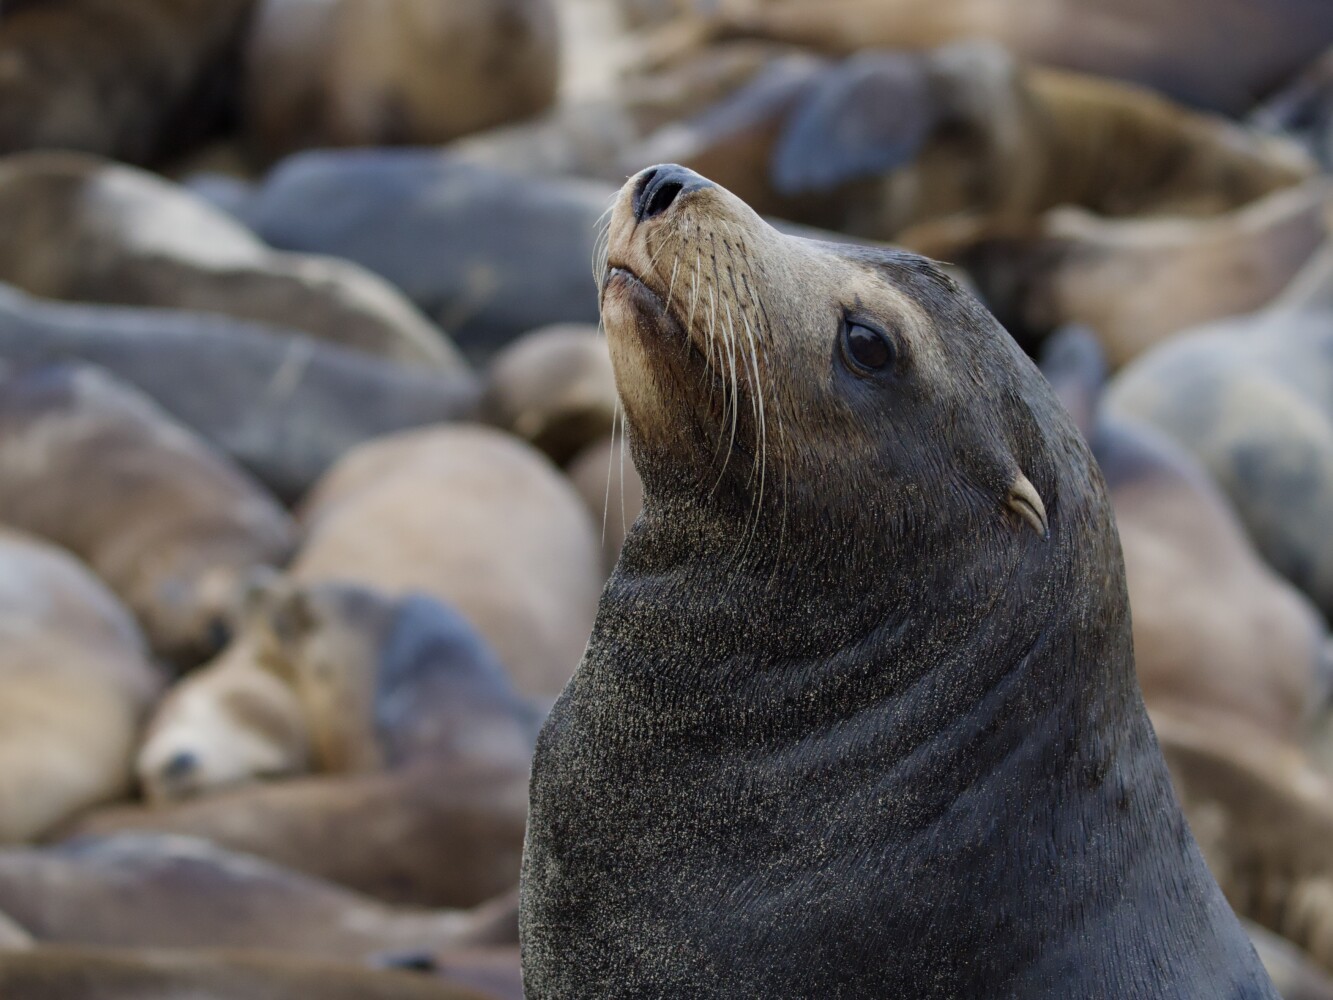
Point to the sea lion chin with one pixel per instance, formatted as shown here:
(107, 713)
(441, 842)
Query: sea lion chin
(858, 716)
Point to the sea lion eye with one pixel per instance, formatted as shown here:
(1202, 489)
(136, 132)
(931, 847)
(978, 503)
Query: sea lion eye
(865, 347)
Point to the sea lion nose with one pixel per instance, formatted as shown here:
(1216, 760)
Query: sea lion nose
(180, 766)
(659, 187)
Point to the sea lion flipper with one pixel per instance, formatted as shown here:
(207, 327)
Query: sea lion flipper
(1026, 502)
(868, 115)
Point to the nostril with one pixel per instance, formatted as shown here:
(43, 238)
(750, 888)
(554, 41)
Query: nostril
(660, 198)
(659, 188)
(180, 766)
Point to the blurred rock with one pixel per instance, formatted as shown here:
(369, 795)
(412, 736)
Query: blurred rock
(12, 936)
(84, 230)
(75, 682)
(282, 405)
(1304, 109)
(93, 465)
(395, 72)
(133, 79)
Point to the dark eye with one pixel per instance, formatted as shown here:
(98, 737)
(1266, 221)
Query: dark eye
(865, 347)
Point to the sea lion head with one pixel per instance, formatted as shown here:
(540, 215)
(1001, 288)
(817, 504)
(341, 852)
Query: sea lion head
(766, 377)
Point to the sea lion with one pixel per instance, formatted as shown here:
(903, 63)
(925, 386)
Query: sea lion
(132, 79)
(1294, 975)
(82, 229)
(12, 936)
(403, 72)
(1249, 397)
(1188, 51)
(1214, 627)
(554, 388)
(75, 683)
(874, 144)
(388, 717)
(864, 671)
(186, 893)
(478, 520)
(1136, 282)
(57, 972)
(1304, 110)
(275, 402)
(606, 479)
(91, 464)
(488, 254)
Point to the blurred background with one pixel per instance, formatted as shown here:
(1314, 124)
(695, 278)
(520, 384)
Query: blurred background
(309, 472)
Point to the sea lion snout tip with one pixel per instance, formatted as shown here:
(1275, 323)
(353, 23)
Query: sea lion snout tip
(658, 188)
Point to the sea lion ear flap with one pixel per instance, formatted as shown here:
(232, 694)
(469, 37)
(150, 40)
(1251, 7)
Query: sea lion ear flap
(1025, 501)
(866, 116)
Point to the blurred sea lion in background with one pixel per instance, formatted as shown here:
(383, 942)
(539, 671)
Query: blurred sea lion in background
(1294, 973)
(1136, 282)
(75, 683)
(91, 464)
(1215, 629)
(1303, 110)
(132, 79)
(275, 401)
(1250, 398)
(610, 486)
(395, 72)
(878, 142)
(82, 229)
(555, 389)
(12, 936)
(478, 520)
(185, 893)
(57, 972)
(415, 744)
(488, 254)
(1219, 54)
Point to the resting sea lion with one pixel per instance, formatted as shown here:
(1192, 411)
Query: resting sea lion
(401, 72)
(275, 401)
(554, 388)
(75, 683)
(57, 972)
(1214, 628)
(876, 143)
(185, 893)
(91, 464)
(478, 520)
(1220, 54)
(132, 79)
(606, 479)
(488, 254)
(12, 936)
(1136, 282)
(82, 229)
(389, 718)
(1250, 398)
(858, 716)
